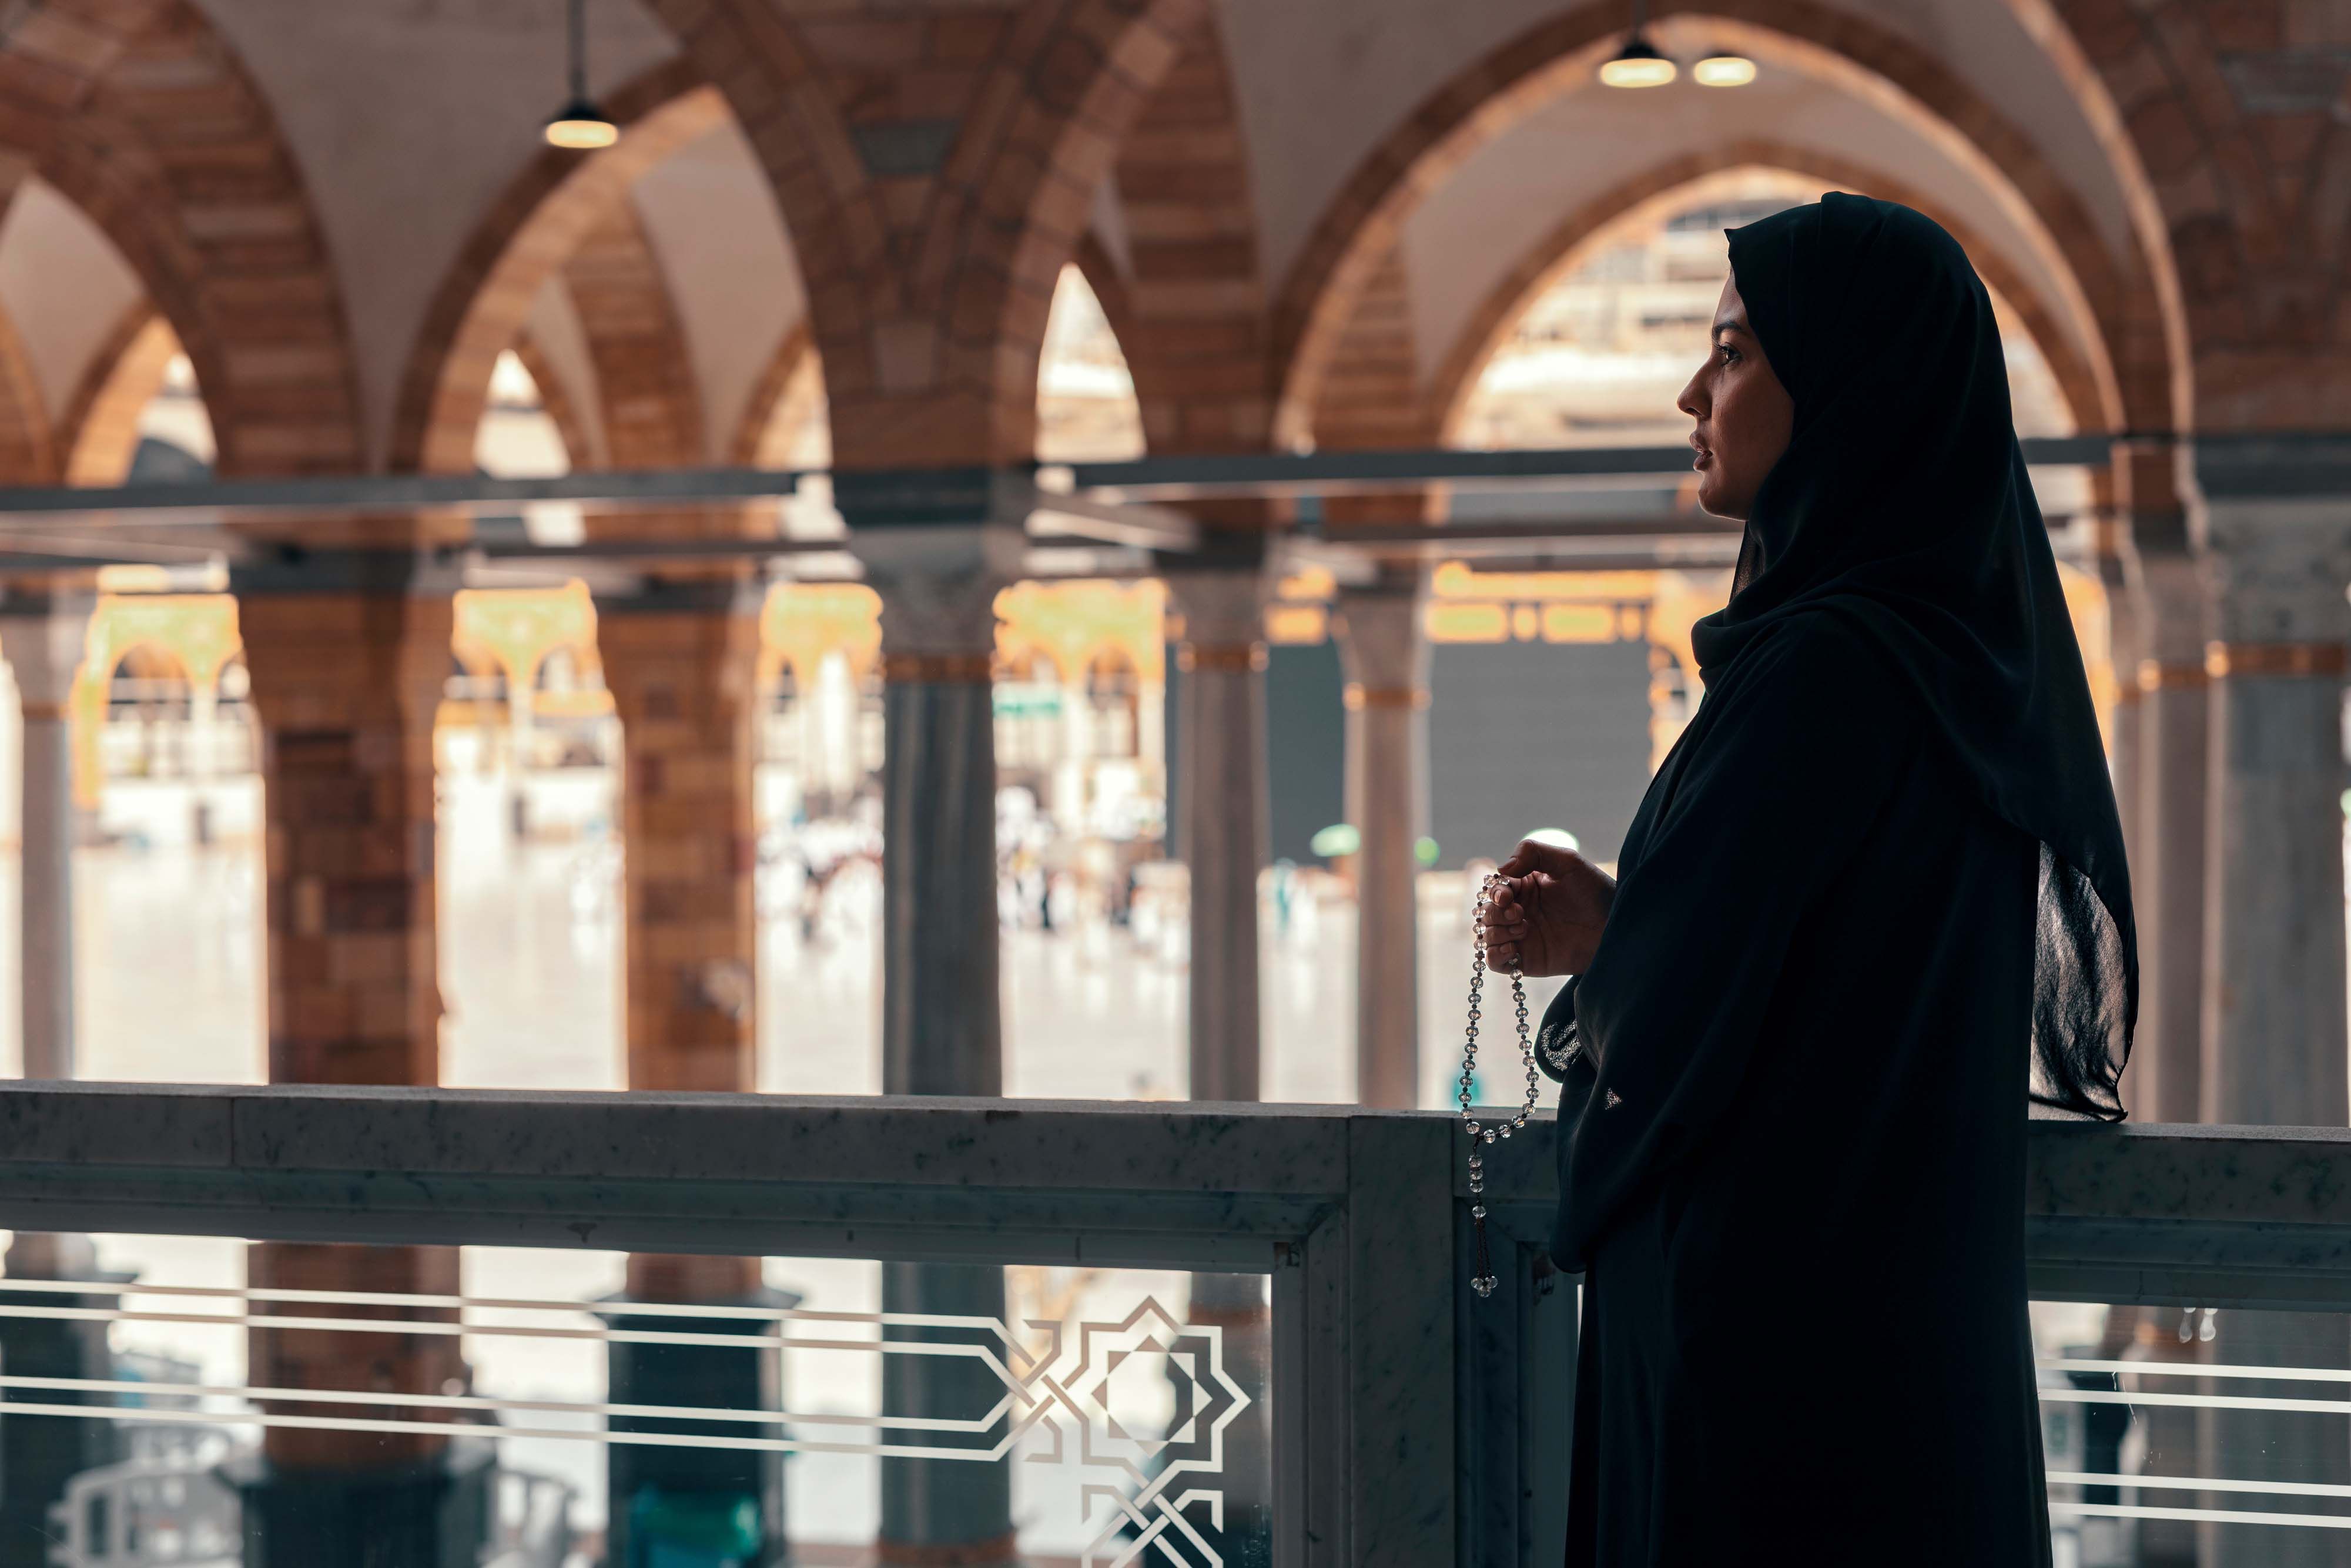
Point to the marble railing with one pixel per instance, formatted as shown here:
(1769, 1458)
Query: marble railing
(1411, 1422)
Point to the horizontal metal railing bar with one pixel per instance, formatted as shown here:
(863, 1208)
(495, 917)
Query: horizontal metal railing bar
(731, 1440)
(1267, 473)
(1664, 525)
(287, 1322)
(2195, 1483)
(331, 495)
(2270, 463)
(2194, 1401)
(1278, 473)
(426, 1301)
(391, 1399)
(2199, 1515)
(2198, 1369)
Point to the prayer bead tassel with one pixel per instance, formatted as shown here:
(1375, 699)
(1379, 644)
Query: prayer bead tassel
(1483, 1278)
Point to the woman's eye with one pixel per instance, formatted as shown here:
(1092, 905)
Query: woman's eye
(1730, 354)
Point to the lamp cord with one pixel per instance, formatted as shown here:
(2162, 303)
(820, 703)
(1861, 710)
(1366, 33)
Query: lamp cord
(579, 50)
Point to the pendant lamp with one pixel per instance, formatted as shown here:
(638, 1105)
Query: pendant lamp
(1639, 63)
(579, 125)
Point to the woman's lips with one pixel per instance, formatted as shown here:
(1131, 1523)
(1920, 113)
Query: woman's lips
(1703, 457)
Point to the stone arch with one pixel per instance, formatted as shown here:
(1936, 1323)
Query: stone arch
(1362, 223)
(97, 431)
(645, 379)
(1195, 333)
(28, 454)
(534, 227)
(1049, 147)
(1369, 398)
(929, 264)
(2090, 388)
(2158, 314)
(766, 404)
(143, 115)
(2237, 175)
(783, 96)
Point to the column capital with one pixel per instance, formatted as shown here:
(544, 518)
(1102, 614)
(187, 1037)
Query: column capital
(735, 594)
(45, 638)
(429, 572)
(1223, 607)
(1380, 638)
(938, 585)
(2278, 568)
(2171, 582)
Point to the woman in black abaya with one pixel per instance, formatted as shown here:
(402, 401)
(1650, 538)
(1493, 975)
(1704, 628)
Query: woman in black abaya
(1874, 903)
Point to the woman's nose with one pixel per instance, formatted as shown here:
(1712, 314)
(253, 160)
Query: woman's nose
(1692, 401)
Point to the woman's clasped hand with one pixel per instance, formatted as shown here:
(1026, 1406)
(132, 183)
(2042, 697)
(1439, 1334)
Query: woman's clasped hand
(1547, 915)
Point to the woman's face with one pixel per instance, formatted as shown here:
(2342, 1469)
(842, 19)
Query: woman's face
(1744, 416)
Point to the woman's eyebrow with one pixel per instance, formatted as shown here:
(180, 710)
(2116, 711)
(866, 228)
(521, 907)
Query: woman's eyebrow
(1731, 324)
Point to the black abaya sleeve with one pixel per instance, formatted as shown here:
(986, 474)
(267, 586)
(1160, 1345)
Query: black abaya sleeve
(1789, 761)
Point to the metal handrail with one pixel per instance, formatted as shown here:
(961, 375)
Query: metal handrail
(2193, 1214)
(1411, 1422)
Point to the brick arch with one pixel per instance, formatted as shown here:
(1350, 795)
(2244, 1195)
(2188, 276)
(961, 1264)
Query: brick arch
(1080, 91)
(28, 455)
(930, 268)
(1480, 103)
(97, 431)
(2241, 177)
(2156, 314)
(2090, 388)
(1197, 341)
(790, 106)
(762, 408)
(1369, 397)
(765, 403)
(529, 232)
(645, 376)
(143, 115)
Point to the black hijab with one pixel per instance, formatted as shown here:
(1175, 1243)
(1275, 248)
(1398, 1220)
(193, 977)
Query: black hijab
(1901, 506)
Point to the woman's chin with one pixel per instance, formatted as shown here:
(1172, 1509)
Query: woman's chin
(1714, 503)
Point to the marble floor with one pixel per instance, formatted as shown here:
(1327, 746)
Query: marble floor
(170, 981)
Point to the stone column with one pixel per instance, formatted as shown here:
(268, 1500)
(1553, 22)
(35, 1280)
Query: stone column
(45, 638)
(2165, 582)
(2273, 971)
(679, 658)
(2273, 968)
(1224, 806)
(2165, 1081)
(1224, 814)
(1388, 802)
(942, 1019)
(2126, 744)
(349, 651)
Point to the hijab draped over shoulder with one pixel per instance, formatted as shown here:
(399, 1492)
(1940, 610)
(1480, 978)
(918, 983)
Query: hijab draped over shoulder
(1902, 509)
(1872, 900)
